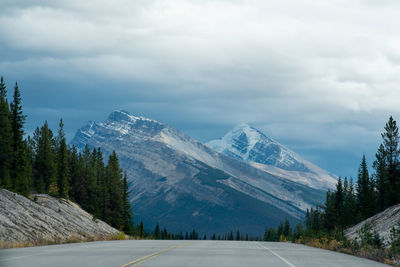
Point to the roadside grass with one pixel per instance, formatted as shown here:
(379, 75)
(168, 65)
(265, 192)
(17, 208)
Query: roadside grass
(72, 239)
(353, 248)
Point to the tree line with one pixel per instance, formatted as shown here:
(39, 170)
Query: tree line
(350, 203)
(44, 163)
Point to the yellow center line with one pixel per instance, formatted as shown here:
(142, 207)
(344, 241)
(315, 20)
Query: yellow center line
(148, 257)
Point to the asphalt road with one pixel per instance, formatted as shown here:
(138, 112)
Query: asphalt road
(178, 253)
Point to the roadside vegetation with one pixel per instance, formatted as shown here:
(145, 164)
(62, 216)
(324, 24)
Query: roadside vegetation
(350, 204)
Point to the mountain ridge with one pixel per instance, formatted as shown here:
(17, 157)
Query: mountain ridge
(165, 167)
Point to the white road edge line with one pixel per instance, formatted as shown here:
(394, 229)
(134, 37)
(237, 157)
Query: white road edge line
(276, 254)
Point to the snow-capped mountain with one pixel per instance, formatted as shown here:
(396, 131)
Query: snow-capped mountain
(181, 183)
(251, 145)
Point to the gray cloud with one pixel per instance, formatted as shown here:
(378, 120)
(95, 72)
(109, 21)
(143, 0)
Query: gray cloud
(321, 77)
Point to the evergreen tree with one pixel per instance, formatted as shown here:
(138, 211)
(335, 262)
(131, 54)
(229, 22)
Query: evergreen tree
(365, 192)
(75, 173)
(298, 232)
(45, 176)
(329, 218)
(390, 142)
(287, 230)
(157, 234)
(103, 191)
(350, 204)
(140, 230)
(237, 235)
(280, 230)
(114, 174)
(62, 163)
(18, 157)
(380, 175)
(87, 192)
(6, 138)
(127, 211)
(339, 203)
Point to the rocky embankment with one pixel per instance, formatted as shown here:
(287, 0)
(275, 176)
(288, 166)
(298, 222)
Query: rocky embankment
(381, 223)
(47, 219)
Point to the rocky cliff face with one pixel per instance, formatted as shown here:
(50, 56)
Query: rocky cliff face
(46, 219)
(181, 183)
(381, 223)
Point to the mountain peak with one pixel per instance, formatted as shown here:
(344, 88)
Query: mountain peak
(248, 143)
(240, 141)
(121, 115)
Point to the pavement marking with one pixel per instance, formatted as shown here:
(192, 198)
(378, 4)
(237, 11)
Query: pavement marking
(276, 254)
(149, 257)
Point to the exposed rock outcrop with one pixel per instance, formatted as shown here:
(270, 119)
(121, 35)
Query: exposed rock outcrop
(46, 218)
(381, 223)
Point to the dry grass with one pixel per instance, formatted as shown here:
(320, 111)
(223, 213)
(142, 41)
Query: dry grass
(376, 254)
(72, 239)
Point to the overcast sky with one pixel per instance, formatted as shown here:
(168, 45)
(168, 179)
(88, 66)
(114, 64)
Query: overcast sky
(321, 77)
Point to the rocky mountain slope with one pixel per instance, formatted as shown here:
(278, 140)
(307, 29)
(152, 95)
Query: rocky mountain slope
(381, 223)
(181, 183)
(46, 219)
(252, 146)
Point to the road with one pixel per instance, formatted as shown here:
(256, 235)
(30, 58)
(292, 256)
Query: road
(178, 254)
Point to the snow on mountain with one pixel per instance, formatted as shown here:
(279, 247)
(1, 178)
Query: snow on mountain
(251, 145)
(182, 183)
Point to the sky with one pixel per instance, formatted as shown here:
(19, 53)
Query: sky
(321, 77)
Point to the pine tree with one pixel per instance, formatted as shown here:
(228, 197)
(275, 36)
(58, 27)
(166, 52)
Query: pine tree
(18, 168)
(62, 163)
(127, 211)
(365, 191)
(330, 220)
(381, 178)
(237, 235)
(102, 187)
(349, 203)
(157, 234)
(298, 231)
(339, 203)
(87, 192)
(140, 230)
(391, 144)
(6, 138)
(287, 230)
(44, 169)
(114, 174)
(75, 172)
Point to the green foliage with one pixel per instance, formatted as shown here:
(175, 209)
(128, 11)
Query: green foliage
(395, 241)
(5, 138)
(391, 155)
(365, 192)
(19, 169)
(369, 238)
(44, 166)
(380, 176)
(62, 162)
(271, 234)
